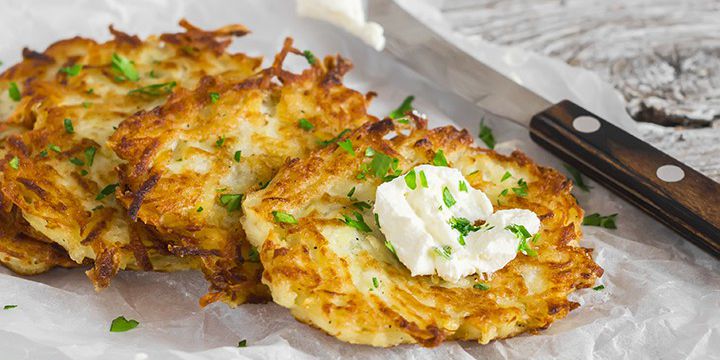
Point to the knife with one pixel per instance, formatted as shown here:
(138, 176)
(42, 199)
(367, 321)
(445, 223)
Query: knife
(665, 188)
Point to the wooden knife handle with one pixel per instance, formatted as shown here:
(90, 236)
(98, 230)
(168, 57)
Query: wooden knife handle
(668, 190)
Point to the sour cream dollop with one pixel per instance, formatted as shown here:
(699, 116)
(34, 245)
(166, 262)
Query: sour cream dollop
(424, 224)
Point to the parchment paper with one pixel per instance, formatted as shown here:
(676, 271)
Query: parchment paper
(661, 297)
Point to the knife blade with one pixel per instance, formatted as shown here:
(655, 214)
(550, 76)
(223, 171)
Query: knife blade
(665, 188)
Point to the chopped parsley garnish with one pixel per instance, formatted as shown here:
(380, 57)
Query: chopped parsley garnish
(377, 222)
(231, 202)
(577, 178)
(8, 307)
(523, 235)
(15, 163)
(214, 97)
(72, 70)
(125, 67)
(462, 186)
(68, 126)
(439, 159)
(325, 143)
(376, 282)
(358, 223)
(237, 156)
(121, 324)
(596, 219)
(380, 164)
(199, 209)
(220, 141)
(86, 104)
(83, 172)
(599, 287)
(403, 109)
(242, 343)
(347, 146)
(43, 153)
(486, 135)
(310, 57)
(153, 74)
(14, 92)
(448, 199)
(445, 251)
(154, 89)
(369, 152)
(107, 190)
(76, 161)
(305, 124)
(90, 91)
(390, 247)
(522, 188)
(54, 148)
(90, 155)
(423, 179)
(481, 286)
(506, 176)
(361, 205)
(254, 255)
(283, 217)
(351, 192)
(410, 180)
(463, 225)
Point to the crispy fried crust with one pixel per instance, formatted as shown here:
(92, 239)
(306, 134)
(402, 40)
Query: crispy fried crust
(183, 160)
(57, 192)
(322, 269)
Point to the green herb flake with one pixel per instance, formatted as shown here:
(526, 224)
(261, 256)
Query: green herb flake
(14, 92)
(125, 67)
(283, 217)
(107, 190)
(90, 91)
(121, 324)
(506, 176)
(596, 219)
(71, 70)
(361, 205)
(377, 222)
(242, 343)
(445, 252)
(154, 89)
(90, 155)
(347, 146)
(481, 286)
(403, 120)
(423, 179)
(14, 163)
(523, 235)
(404, 108)
(76, 161)
(220, 141)
(410, 180)
(310, 57)
(199, 209)
(305, 124)
(376, 282)
(351, 192)
(43, 154)
(486, 135)
(8, 307)
(462, 186)
(357, 223)
(599, 287)
(325, 143)
(231, 202)
(439, 159)
(254, 255)
(380, 164)
(577, 178)
(369, 152)
(448, 199)
(68, 126)
(54, 148)
(86, 104)
(522, 188)
(214, 97)
(83, 172)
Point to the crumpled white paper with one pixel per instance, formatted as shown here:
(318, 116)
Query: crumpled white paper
(661, 297)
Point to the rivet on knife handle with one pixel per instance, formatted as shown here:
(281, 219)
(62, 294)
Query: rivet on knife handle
(675, 194)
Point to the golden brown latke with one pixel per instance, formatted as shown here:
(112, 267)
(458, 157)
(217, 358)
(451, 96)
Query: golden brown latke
(190, 161)
(323, 270)
(57, 172)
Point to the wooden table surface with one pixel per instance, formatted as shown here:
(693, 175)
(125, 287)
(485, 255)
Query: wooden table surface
(662, 55)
